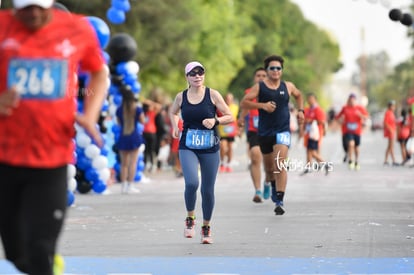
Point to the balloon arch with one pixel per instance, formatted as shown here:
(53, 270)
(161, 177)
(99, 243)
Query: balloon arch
(91, 170)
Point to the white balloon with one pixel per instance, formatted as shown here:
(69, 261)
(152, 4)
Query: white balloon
(83, 140)
(79, 129)
(132, 67)
(100, 162)
(92, 151)
(112, 110)
(104, 174)
(141, 149)
(71, 171)
(410, 146)
(72, 184)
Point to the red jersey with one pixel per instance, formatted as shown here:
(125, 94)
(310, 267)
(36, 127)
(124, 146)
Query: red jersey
(149, 126)
(390, 124)
(404, 128)
(314, 113)
(43, 67)
(253, 122)
(352, 123)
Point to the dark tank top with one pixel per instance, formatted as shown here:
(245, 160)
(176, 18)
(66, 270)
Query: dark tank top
(279, 121)
(193, 115)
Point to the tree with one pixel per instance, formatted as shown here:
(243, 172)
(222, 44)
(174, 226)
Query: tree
(231, 38)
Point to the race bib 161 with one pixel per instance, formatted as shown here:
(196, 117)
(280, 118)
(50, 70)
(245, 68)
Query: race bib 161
(199, 139)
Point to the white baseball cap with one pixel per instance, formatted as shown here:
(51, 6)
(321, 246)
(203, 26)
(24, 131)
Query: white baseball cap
(191, 66)
(19, 4)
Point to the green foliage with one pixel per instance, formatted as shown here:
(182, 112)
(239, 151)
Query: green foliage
(231, 38)
(397, 86)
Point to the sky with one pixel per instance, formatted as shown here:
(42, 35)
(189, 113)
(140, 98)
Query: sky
(344, 20)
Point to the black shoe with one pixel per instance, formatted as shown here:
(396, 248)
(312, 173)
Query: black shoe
(279, 208)
(306, 171)
(326, 170)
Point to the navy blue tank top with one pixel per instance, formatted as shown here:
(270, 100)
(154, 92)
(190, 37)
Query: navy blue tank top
(193, 115)
(279, 121)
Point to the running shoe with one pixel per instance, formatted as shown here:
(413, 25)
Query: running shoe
(222, 169)
(257, 197)
(305, 171)
(206, 235)
(326, 170)
(266, 190)
(58, 265)
(357, 166)
(279, 208)
(189, 230)
(124, 187)
(351, 165)
(131, 189)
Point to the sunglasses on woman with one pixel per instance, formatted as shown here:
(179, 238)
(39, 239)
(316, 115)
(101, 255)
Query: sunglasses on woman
(196, 72)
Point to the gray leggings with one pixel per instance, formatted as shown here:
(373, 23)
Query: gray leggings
(209, 163)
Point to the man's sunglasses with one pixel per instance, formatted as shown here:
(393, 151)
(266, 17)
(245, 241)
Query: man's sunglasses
(275, 68)
(197, 72)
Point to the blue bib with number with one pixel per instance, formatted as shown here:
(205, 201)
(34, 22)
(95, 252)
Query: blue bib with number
(199, 139)
(256, 122)
(38, 78)
(283, 138)
(352, 126)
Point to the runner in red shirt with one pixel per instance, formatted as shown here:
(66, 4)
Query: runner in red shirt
(41, 49)
(403, 133)
(390, 132)
(315, 119)
(255, 155)
(151, 110)
(352, 117)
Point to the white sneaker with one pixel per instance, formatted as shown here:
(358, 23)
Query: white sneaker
(124, 188)
(132, 189)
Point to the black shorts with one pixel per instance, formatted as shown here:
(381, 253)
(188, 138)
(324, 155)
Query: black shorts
(266, 144)
(348, 137)
(252, 139)
(313, 144)
(229, 139)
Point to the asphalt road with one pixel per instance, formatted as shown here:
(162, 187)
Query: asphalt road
(346, 222)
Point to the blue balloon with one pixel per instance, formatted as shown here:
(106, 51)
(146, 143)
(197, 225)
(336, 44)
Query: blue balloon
(115, 16)
(130, 78)
(117, 167)
(84, 79)
(141, 157)
(91, 174)
(141, 165)
(105, 106)
(80, 106)
(122, 5)
(102, 30)
(117, 100)
(138, 176)
(99, 186)
(104, 151)
(136, 87)
(106, 56)
(113, 89)
(83, 162)
(70, 198)
(116, 129)
(140, 127)
(121, 68)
